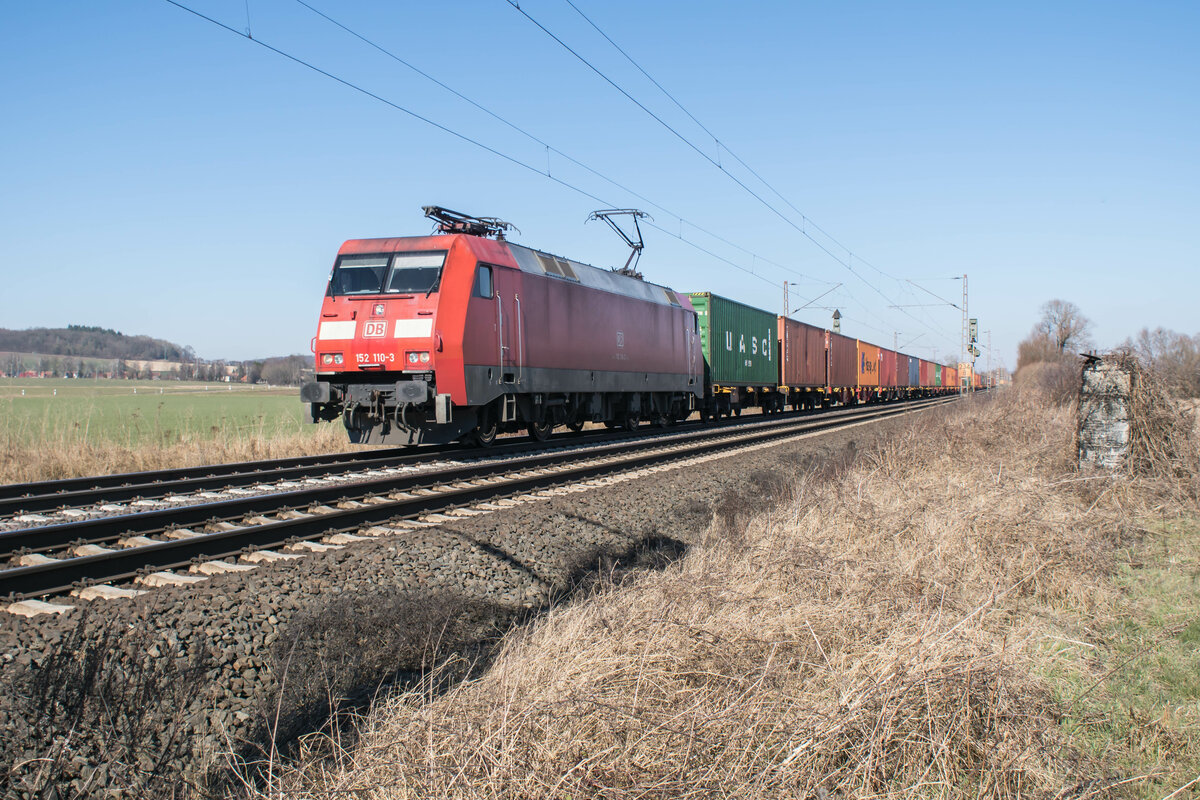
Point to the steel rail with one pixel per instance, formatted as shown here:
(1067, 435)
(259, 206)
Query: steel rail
(154, 485)
(64, 574)
(66, 486)
(81, 492)
(75, 492)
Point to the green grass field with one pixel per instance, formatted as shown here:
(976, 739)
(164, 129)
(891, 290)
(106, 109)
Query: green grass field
(133, 413)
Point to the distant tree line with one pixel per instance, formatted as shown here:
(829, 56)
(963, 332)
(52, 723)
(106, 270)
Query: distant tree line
(92, 342)
(281, 371)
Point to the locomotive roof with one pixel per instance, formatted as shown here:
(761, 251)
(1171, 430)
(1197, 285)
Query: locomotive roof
(538, 263)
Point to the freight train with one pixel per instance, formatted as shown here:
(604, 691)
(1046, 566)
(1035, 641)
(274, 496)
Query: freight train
(461, 335)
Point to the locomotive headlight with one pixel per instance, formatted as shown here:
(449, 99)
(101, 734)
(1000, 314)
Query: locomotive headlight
(327, 358)
(418, 357)
(413, 358)
(337, 359)
(424, 358)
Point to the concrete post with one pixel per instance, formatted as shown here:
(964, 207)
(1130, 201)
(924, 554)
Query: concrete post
(1105, 415)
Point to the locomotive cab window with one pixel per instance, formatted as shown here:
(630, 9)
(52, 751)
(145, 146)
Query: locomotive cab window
(416, 272)
(483, 281)
(358, 275)
(387, 274)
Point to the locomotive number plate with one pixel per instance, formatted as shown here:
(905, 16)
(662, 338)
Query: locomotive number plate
(375, 328)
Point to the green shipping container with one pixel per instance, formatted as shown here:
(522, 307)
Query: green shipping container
(937, 374)
(739, 341)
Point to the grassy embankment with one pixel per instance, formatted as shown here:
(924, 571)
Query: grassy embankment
(58, 428)
(958, 613)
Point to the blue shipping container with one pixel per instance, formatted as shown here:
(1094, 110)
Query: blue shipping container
(914, 371)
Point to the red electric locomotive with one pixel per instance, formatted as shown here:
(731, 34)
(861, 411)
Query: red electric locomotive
(461, 334)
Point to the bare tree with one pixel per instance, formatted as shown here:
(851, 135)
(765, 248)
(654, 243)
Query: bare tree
(1061, 332)
(1174, 357)
(1065, 326)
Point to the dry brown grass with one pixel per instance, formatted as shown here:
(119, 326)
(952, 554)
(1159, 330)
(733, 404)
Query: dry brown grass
(1162, 445)
(878, 637)
(65, 455)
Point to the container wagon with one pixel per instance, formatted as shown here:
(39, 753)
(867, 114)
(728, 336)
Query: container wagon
(887, 374)
(741, 354)
(843, 367)
(926, 379)
(868, 371)
(803, 364)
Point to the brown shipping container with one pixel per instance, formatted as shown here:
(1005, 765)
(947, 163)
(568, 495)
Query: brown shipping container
(802, 354)
(868, 364)
(950, 377)
(926, 374)
(887, 367)
(843, 361)
(901, 369)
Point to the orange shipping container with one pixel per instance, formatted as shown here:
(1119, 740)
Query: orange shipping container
(868, 364)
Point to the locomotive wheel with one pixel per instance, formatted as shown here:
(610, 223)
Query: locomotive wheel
(575, 425)
(540, 431)
(631, 422)
(485, 431)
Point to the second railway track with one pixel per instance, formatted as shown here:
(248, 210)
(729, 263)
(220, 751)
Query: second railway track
(58, 558)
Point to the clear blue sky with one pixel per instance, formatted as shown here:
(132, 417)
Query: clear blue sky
(163, 176)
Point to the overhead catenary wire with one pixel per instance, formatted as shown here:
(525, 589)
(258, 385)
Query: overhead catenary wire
(461, 136)
(551, 148)
(846, 263)
(720, 145)
(931, 294)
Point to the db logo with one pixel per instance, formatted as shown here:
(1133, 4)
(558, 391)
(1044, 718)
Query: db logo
(375, 328)
(620, 338)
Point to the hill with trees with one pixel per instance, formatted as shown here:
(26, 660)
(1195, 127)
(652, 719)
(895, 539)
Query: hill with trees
(89, 351)
(88, 341)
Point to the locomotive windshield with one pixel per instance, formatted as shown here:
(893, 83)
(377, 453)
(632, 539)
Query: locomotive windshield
(399, 273)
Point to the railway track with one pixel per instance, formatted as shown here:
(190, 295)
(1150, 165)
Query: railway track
(27, 502)
(31, 498)
(90, 557)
